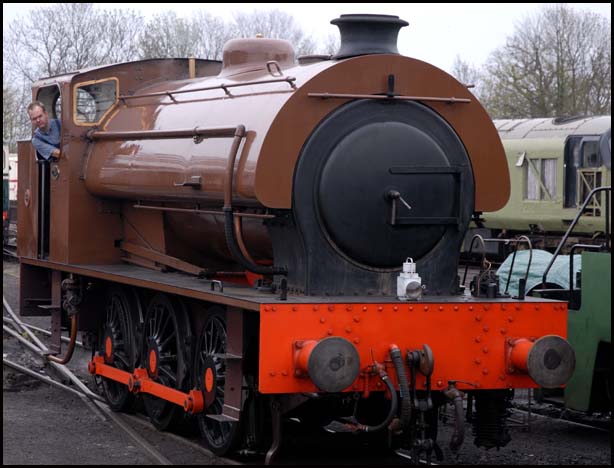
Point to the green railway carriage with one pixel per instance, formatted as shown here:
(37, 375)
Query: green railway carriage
(554, 164)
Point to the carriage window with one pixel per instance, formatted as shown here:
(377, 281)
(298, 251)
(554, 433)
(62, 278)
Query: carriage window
(590, 154)
(540, 179)
(93, 100)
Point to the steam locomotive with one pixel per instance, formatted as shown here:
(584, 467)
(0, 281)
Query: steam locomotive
(266, 237)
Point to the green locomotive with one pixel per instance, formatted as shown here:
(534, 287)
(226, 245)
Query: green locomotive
(554, 164)
(587, 288)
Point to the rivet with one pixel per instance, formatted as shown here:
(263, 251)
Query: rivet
(315, 307)
(485, 349)
(348, 307)
(486, 328)
(426, 308)
(478, 318)
(272, 374)
(356, 340)
(322, 320)
(380, 308)
(536, 306)
(510, 319)
(478, 339)
(503, 306)
(478, 361)
(329, 331)
(484, 371)
(364, 308)
(348, 329)
(331, 307)
(503, 331)
(440, 307)
(470, 307)
(297, 373)
(379, 384)
(439, 383)
(274, 309)
(284, 373)
(356, 318)
(486, 306)
(395, 308)
(502, 377)
(517, 306)
(455, 307)
(411, 307)
(266, 308)
(294, 308)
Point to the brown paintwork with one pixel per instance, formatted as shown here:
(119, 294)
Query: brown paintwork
(27, 200)
(278, 116)
(278, 121)
(74, 210)
(368, 75)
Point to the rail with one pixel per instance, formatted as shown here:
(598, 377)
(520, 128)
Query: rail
(289, 79)
(573, 225)
(451, 100)
(507, 241)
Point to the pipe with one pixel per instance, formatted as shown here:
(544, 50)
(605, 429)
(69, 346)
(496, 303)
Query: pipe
(229, 224)
(397, 360)
(71, 344)
(456, 396)
(393, 408)
(45, 332)
(231, 240)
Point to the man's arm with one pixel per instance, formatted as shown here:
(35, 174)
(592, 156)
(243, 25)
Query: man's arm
(45, 149)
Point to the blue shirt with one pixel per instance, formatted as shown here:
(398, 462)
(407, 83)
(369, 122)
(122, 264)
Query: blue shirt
(45, 143)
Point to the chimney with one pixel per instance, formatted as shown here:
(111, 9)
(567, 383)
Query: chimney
(363, 34)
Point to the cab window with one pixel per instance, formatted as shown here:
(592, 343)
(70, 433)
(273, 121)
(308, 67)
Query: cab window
(93, 100)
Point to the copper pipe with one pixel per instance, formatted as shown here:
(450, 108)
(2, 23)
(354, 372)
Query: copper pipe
(71, 344)
(239, 236)
(232, 157)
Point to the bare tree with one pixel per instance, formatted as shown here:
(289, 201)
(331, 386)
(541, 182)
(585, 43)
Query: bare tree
(556, 63)
(61, 38)
(468, 75)
(213, 33)
(167, 35)
(69, 36)
(275, 24)
(332, 43)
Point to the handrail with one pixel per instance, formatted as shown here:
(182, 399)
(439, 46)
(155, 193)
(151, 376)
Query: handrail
(571, 253)
(573, 225)
(219, 132)
(507, 241)
(289, 79)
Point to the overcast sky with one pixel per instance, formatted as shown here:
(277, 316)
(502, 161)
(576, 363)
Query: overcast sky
(437, 32)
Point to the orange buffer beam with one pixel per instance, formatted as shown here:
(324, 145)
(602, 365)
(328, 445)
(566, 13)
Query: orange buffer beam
(140, 382)
(469, 341)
